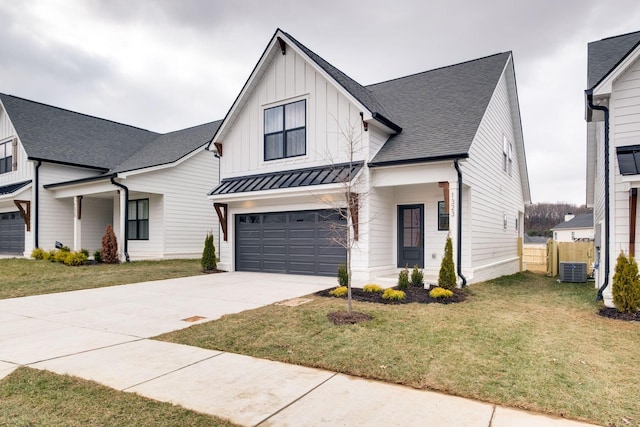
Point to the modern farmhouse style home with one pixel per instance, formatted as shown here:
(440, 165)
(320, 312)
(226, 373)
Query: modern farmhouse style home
(64, 176)
(425, 156)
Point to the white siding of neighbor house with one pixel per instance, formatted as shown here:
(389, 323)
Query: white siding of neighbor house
(569, 235)
(56, 215)
(495, 193)
(180, 218)
(24, 170)
(290, 78)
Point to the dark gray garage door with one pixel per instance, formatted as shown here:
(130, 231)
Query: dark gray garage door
(298, 242)
(11, 233)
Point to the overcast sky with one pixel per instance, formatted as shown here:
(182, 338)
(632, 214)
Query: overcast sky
(165, 65)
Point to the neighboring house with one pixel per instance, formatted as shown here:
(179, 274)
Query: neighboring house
(612, 103)
(284, 159)
(64, 176)
(574, 227)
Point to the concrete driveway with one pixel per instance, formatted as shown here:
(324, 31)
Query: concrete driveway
(102, 335)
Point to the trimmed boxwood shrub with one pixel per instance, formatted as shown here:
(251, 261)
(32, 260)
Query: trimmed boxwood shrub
(403, 279)
(417, 276)
(447, 276)
(343, 275)
(626, 285)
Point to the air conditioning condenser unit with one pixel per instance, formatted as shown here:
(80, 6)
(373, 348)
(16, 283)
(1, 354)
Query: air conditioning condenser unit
(573, 272)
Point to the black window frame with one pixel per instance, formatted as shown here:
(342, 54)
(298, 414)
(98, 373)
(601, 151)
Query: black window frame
(442, 214)
(284, 131)
(6, 162)
(138, 221)
(628, 160)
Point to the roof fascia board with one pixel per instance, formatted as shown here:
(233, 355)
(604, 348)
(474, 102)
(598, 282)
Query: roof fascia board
(78, 182)
(605, 86)
(75, 165)
(459, 156)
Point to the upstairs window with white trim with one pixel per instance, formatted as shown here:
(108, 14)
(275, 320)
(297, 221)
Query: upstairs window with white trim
(285, 131)
(507, 156)
(6, 156)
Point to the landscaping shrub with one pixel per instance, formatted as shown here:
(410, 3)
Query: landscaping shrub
(340, 291)
(61, 255)
(343, 275)
(38, 254)
(447, 276)
(403, 279)
(49, 256)
(372, 288)
(85, 252)
(417, 276)
(75, 259)
(109, 253)
(97, 256)
(208, 260)
(626, 285)
(439, 292)
(393, 294)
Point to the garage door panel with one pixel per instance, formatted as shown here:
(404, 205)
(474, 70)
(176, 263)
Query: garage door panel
(290, 242)
(12, 230)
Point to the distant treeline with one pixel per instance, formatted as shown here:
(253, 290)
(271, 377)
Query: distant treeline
(539, 218)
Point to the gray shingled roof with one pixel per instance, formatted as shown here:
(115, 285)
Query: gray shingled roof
(170, 147)
(439, 110)
(361, 93)
(57, 135)
(579, 221)
(604, 55)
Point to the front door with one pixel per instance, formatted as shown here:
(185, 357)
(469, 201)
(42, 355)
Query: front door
(411, 235)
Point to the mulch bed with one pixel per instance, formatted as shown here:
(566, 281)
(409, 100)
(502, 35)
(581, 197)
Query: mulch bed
(612, 313)
(413, 294)
(213, 271)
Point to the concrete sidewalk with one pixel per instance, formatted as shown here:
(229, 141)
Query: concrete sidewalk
(101, 335)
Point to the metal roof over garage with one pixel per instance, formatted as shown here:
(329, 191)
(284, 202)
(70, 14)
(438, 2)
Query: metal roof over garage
(12, 188)
(332, 174)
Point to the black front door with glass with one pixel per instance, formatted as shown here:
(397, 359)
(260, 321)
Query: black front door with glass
(411, 235)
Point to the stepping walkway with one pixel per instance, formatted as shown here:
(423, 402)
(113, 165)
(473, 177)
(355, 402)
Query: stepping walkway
(102, 335)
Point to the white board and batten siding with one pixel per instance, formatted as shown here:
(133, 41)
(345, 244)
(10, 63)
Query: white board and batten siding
(495, 193)
(179, 206)
(289, 78)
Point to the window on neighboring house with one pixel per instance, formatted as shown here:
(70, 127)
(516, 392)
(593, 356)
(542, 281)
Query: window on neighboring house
(629, 159)
(507, 156)
(285, 131)
(138, 221)
(504, 221)
(573, 235)
(443, 217)
(6, 156)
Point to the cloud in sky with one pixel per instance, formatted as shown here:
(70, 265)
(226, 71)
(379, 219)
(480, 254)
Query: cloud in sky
(165, 65)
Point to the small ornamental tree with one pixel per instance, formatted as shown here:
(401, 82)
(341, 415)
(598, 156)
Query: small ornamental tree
(208, 260)
(626, 285)
(109, 253)
(447, 276)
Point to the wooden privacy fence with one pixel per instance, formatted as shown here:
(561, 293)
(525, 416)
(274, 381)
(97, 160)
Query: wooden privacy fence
(541, 258)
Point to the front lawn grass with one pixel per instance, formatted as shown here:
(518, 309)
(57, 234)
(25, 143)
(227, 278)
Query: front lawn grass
(23, 277)
(39, 398)
(524, 341)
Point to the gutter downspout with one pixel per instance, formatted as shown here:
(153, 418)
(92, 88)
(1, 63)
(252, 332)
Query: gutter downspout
(459, 243)
(36, 220)
(607, 268)
(126, 217)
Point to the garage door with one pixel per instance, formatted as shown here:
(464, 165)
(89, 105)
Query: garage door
(299, 242)
(11, 233)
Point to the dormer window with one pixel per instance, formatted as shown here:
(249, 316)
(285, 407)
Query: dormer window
(285, 131)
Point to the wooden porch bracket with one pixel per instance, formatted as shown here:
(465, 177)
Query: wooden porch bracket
(218, 146)
(633, 204)
(25, 211)
(221, 210)
(445, 192)
(283, 46)
(354, 205)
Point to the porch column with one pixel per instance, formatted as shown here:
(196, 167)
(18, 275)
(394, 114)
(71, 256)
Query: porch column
(454, 211)
(77, 223)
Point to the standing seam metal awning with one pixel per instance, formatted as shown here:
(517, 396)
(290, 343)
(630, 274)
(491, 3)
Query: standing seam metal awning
(12, 188)
(332, 174)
